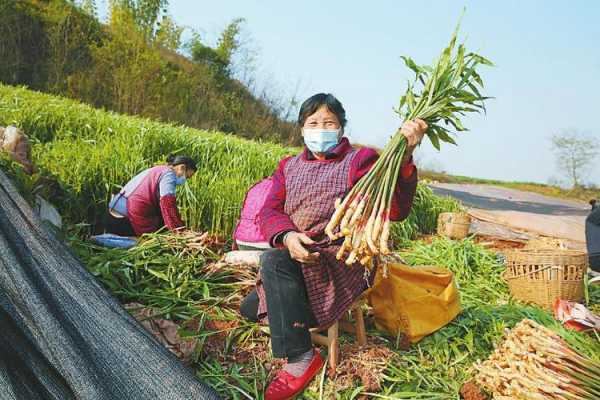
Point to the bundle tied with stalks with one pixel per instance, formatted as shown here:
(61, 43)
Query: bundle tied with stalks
(185, 241)
(534, 362)
(440, 94)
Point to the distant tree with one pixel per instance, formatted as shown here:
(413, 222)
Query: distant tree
(204, 54)
(575, 154)
(133, 63)
(69, 33)
(146, 13)
(89, 7)
(125, 74)
(229, 42)
(220, 57)
(168, 35)
(22, 58)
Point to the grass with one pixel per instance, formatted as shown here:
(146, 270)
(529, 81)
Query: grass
(423, 216)
(579, 193)
(233, 354)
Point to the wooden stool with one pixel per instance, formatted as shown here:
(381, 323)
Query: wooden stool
(331, 340)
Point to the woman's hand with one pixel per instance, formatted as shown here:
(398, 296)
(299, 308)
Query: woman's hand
(295, 241)
(414, 131)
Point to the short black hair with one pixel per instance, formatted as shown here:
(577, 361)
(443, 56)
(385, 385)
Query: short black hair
(174, 160)
(313, 103)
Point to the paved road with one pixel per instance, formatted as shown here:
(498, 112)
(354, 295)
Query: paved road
(489, 197)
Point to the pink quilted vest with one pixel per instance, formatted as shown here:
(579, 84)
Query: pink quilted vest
(247, 232)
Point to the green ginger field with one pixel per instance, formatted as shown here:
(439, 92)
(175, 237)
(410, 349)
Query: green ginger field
(83, 154)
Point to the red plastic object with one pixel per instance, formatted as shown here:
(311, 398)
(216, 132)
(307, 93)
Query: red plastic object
(574, 315)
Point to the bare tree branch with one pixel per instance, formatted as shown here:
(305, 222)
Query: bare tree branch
(575, 154)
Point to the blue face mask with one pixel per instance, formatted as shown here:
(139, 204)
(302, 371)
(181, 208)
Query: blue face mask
(321, 140)
(180, 180)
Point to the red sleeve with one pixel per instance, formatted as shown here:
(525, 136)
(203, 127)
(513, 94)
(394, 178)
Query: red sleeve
(170, 213)
(405, 187)
(271, 219)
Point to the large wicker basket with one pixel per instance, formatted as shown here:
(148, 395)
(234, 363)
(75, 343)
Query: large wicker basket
(453, 225)
(540, 276)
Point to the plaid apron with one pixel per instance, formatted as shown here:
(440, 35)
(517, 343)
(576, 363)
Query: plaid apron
(311, 190)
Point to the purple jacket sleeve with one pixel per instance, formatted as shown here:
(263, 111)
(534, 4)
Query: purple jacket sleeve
(272, 219)
(405, 187)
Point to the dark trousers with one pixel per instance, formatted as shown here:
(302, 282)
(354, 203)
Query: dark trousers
(595, 262)
(118, 226)
(289, 312)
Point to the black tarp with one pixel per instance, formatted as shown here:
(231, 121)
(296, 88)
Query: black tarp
(592, 237)
(62, 336)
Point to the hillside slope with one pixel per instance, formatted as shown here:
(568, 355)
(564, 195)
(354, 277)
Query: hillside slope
(55, 47)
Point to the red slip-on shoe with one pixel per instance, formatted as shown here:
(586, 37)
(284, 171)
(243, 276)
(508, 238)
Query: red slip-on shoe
(285, 386)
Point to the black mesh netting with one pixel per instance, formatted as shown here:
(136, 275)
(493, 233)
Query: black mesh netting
(592, 237)
(62, 336)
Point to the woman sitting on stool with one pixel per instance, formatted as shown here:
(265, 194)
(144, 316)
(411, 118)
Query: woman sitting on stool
(301, 283)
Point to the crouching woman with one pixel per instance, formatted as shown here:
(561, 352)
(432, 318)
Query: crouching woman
(148, 202)
(301, 284)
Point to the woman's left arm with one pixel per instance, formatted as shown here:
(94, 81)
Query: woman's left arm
(168, 202)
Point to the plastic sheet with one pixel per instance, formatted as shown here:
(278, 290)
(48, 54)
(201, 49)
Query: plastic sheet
(63, 336)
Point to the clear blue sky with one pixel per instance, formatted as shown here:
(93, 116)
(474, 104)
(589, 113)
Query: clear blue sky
(547, 76)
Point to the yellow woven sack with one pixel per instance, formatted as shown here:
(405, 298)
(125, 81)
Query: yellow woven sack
(415, 301)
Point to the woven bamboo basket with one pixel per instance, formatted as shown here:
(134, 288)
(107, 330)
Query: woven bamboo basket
(540, 276)
(453, 225)
(546, 243)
